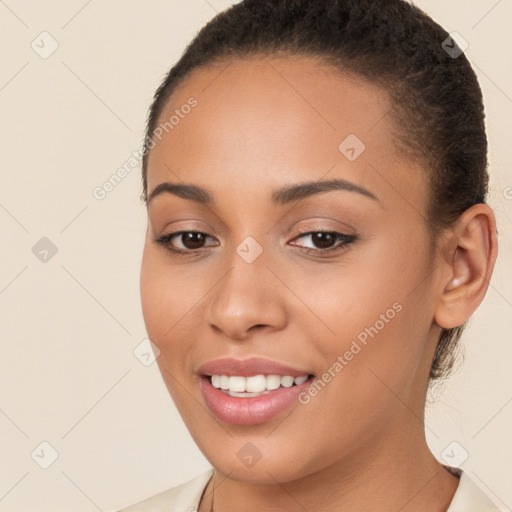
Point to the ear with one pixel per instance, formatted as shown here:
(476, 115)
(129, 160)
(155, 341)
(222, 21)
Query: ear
(469, 255)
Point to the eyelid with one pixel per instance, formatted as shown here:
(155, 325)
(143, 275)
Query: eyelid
(320, 225)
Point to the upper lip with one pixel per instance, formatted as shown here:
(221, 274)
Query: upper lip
(248, 367)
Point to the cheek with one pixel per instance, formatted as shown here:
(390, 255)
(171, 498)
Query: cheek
(150, 292)
(375, 307)
(172, 300)
(159, 295)
(162, 291)
(353, 293)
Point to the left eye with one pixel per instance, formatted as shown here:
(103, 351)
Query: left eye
(326, 240)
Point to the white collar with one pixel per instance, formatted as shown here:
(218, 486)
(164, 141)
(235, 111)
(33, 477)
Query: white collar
(470, 498)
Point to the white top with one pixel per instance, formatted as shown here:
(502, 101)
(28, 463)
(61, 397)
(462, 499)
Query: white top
(185, 497)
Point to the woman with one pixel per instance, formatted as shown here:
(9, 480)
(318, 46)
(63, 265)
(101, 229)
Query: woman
(315, 178)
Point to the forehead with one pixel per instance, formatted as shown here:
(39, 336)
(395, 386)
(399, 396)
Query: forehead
(276, 120)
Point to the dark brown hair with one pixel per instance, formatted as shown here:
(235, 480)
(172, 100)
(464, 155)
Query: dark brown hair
(437, 102)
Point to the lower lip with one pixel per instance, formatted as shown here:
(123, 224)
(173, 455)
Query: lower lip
(250, 411)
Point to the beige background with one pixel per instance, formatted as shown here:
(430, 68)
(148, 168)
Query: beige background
(69, 326)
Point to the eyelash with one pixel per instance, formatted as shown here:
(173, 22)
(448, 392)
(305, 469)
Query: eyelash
(165, 241)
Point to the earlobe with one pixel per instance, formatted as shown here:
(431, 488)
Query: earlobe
(468, 266)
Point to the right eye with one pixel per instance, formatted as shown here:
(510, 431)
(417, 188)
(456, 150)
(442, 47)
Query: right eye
(190, 241)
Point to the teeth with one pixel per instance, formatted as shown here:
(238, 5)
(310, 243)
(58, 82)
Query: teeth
(287, 381)
(273, 382)
(300, 380)
(255, 385)
(223, 381)
(236, 383)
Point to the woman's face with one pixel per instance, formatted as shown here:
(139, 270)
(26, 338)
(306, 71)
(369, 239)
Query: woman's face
(353, 308)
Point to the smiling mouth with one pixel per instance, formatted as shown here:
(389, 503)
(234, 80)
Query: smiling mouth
(250, 394)
(254, 386)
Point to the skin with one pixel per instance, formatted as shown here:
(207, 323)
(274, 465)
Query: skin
(360, 444)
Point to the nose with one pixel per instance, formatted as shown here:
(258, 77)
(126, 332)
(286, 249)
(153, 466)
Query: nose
(247, 299)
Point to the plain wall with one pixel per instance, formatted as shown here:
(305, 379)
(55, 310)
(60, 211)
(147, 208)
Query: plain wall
(70, 323)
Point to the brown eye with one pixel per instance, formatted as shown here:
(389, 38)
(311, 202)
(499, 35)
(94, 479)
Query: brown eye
(183, 241)
(192, 239)
(323, 241)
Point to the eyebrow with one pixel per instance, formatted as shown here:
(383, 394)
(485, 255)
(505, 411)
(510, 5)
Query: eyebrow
(282, 196)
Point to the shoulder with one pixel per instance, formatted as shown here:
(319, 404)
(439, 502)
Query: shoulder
(470, 498)
(183, 498)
